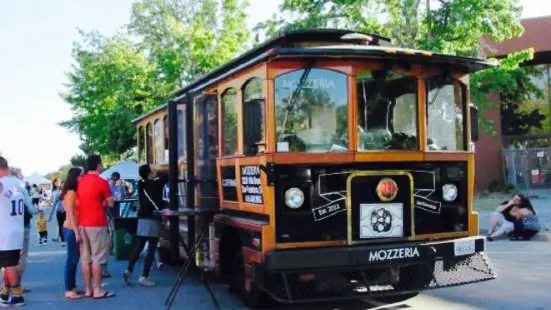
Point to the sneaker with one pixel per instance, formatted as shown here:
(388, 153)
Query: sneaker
(17, 301)
(126, 276)
(4, 300)
(146, 282)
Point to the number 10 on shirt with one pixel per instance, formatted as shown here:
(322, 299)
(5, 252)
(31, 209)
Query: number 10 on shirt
(17, 207)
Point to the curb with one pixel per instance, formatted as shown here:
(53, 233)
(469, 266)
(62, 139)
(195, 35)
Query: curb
(544, 236)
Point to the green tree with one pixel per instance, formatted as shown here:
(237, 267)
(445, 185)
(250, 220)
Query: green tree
(450, 26)
(111, 83)
(78, 160)
(115, 79)
(187, 38)
(445, 26)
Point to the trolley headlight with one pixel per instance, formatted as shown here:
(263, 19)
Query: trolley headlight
(294, 198)
(449, 192)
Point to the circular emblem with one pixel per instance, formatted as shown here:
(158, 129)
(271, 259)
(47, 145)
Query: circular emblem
(381, 220)
(387, 189)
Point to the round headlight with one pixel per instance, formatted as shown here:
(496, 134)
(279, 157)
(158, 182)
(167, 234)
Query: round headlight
(449, 192)
(294, 198)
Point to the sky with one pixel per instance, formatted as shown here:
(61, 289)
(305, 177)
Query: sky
(36, 38)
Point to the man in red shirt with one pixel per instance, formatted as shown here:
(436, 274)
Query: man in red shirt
(94, 195)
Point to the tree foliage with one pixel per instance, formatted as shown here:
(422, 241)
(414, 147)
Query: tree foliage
(166, 44)
(187, 38)
(445, 26)
(449, 26)
(111, 83)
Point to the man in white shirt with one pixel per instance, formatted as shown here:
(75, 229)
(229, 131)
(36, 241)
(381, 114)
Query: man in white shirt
(27, 216)
(12, 207)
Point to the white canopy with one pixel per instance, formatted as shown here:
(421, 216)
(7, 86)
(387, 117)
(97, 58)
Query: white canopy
(128, 169)
(37, 179)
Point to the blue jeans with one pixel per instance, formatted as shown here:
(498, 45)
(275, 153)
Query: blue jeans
(73, 256)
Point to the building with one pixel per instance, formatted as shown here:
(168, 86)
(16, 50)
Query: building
(489, 159)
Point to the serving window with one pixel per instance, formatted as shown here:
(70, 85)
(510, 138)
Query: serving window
(229, 122)
(253, 116)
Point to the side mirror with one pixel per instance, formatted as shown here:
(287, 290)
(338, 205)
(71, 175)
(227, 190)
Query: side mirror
(473, 112)
(252, 126)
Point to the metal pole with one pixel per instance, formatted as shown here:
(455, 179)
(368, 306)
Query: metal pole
(173, 179)
(190, 165)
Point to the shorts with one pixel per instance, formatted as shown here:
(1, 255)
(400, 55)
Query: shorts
(9, 258)
(94, 248)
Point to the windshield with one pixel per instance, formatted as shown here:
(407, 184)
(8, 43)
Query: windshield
(446, 114)
(387, 111)
(311, 111)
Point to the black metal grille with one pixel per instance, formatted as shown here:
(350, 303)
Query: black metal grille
(357, 283)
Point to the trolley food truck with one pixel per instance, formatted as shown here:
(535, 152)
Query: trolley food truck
(338, 167)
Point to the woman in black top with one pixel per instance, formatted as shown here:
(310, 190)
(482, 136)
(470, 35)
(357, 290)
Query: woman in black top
(504, 217)
(150, 191)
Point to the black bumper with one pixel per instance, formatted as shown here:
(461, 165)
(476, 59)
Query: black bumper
(371, 270)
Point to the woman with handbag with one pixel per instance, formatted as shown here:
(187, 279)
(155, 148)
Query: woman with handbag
(150, 192)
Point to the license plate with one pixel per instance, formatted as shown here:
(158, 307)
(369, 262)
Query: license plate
(464, 247)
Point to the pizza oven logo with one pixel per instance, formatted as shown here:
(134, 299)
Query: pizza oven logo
(387, 189)
(381, 220)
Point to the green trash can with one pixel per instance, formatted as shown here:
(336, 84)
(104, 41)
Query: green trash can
(124, 237)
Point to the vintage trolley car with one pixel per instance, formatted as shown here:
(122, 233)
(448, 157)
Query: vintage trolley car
(343, 167)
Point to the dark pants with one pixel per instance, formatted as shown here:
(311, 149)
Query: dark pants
(150, 255)
(73, 256)
(60, 220)
(43, 236)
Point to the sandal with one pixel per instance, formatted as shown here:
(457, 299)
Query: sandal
(106, 294)
(73, 295)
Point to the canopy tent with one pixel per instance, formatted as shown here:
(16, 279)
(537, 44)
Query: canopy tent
(38, 180)
(128, 169)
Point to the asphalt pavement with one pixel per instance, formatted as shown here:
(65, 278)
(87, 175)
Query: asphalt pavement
(524, 282)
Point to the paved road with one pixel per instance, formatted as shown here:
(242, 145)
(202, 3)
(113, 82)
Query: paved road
(523, 283)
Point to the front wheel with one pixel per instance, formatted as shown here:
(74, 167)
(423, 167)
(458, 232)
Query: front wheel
(253, 298)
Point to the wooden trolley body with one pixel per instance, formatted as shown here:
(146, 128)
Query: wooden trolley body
(232, 149)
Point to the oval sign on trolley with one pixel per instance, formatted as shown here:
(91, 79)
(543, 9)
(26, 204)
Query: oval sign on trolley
(387, 189)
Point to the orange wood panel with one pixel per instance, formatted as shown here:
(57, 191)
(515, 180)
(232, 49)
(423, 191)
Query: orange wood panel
(447, 156)
(304, 245)
(251, 256)
(389, 156)
(473, 223)
(442, 235)
(302, 158)
(237, 80)
(422, 115)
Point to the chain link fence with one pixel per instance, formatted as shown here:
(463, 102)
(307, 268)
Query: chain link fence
(528, 170)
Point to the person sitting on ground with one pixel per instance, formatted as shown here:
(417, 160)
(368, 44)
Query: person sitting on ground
(504, 216)
(526, 224)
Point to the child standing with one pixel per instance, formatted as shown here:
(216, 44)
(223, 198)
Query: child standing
(42, 228)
